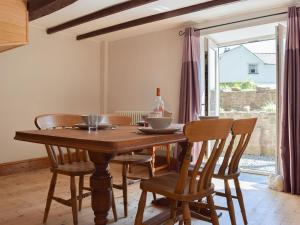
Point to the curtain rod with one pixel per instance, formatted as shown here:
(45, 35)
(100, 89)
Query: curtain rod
(239, 21)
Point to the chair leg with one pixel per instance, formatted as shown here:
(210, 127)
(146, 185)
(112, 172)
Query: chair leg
(229, 202)
(171, 222)
(129, 168)
(81, 182)
(240, 199)
(50, 196)
(168, 156)
(74, 200)
(213, 213)
(186, 213)
(114, 206)
(124, 185)
(149, 165)
(153, 158)
(141, 209)
(173, 211)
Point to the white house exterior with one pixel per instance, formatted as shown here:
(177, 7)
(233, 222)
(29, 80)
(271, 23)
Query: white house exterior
(240, 64)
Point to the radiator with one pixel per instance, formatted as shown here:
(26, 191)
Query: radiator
(135, 115)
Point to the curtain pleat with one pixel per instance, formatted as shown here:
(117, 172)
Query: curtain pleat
(290, 136)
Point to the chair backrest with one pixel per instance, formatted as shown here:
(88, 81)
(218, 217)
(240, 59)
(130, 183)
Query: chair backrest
(54, 121)
(208, 117)
(59, 155)
(203, 131)
(117, 119)
(242, 130)
(167, 114)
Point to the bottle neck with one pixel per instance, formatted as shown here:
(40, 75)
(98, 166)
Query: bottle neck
(157, 91)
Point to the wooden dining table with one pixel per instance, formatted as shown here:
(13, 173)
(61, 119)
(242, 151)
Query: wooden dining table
(102, 146)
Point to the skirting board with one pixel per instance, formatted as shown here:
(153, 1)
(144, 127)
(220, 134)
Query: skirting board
(42, 163)
(23, 166)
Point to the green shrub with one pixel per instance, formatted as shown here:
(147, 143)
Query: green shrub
(246, 85)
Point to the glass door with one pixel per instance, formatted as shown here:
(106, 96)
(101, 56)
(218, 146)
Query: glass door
(243, 79)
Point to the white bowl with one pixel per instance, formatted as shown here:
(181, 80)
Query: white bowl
(159, 122)
(85, 119)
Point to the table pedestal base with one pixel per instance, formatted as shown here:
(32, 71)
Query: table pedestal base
(101, 186)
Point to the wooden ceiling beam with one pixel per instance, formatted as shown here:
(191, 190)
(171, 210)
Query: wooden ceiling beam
(99, 14)
(156, 17)
(40, 8)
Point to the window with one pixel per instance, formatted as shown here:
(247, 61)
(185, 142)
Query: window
(253, 69)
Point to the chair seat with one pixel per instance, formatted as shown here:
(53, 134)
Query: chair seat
(165, 185)
(76, 168)
(132, 159)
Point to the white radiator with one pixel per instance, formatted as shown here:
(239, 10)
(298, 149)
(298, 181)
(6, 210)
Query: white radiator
(135, 115)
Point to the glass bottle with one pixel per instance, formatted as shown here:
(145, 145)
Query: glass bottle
(159, 103)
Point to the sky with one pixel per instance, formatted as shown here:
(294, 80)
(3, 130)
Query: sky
(256, 47)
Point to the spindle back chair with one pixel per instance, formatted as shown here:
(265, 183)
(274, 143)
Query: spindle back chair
(59, 155)
(127, 160)
(187, 188)
(166, 148)
(241, 133)
(118, 120)
(242, 130)
(66, 161)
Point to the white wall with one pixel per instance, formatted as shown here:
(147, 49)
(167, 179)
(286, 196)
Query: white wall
(54, 73)
(234, 67)
(137, 65)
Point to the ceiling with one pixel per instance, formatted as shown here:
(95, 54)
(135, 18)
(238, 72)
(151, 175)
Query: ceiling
(244, 34)
(83, 7)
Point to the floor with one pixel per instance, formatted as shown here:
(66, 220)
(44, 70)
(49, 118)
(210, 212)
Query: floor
(23, 198)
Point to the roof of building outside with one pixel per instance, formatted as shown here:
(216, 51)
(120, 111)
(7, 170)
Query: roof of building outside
(266, 58)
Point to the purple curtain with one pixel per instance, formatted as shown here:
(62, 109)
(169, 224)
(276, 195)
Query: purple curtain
(189, 104)
(290, 137)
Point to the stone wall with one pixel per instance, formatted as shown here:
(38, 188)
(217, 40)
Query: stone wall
(239, 100)
(264, 138)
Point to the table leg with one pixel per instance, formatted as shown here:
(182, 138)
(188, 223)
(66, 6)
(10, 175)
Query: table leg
(100, 183)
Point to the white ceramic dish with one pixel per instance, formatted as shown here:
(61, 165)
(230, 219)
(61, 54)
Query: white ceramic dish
(159, 122)
(150, 130)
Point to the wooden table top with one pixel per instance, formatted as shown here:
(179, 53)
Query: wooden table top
(120, 140)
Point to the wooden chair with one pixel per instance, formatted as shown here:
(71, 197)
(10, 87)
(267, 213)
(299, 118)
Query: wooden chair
(229, 168)
(183, 189)
(117, 119)
(68, 162)
(167, 148)
(152, 151)
(208, 117)
(127, 159)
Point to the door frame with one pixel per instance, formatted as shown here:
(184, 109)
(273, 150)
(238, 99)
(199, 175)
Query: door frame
(280, 33)
(278, 37)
